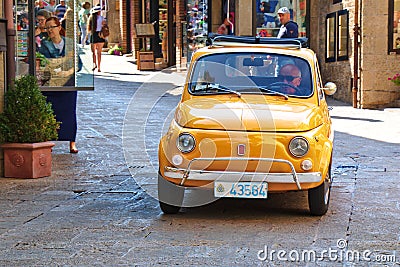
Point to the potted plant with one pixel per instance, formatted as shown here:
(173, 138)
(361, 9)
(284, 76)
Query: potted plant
(395, 79)
(41, 60)
(26, 127)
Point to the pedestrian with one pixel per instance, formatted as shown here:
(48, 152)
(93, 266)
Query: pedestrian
(51, 7)
(224, 28)
(60, 9)
(40, 32)
(38, 6)
(23, 23)
(63, 102)
(289, 29)
(83, 17)
(96, 21)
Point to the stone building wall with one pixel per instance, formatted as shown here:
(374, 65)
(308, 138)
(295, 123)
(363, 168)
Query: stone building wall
(339, 72)
(376, 63)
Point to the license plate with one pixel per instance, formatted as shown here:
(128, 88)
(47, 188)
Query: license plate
(241, 189)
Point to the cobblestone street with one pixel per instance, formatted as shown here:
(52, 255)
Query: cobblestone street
(94, 210)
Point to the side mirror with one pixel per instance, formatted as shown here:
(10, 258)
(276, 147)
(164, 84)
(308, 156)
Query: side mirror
(330, 88)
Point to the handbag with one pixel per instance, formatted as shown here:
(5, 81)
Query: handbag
(105, 31)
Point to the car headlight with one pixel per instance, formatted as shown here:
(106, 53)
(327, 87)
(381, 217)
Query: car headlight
(298, 146)
(185, 142)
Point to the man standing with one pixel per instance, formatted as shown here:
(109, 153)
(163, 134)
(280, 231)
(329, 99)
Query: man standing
(60, 10)
(289, 29)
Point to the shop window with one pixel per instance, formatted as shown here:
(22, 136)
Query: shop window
(267, 19)
(337, 36)
(35, 53)
(394, 26)
(197, 25)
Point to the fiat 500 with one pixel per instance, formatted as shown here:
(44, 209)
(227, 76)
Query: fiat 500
(252, 120)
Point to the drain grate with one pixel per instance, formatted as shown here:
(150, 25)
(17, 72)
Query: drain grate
(137, 167)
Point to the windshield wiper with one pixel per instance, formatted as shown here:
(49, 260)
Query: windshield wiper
(215, 86)
(265, 89)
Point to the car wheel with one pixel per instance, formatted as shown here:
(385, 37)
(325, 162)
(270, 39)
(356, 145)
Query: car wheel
(318, 198)
(170, 196)
(169, 209)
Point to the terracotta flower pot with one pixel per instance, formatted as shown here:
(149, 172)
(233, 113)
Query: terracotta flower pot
(23, 160)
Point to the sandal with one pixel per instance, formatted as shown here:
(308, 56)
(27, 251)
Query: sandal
(73, 150)
(95, 66)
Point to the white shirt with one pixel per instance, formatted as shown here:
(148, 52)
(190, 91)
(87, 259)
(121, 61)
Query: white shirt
(59, 46)
(99, 23)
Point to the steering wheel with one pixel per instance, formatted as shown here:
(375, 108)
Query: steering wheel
(281, 84)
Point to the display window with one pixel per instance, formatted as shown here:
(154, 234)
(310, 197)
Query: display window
(163, 28)
(52, 45)
(394, 28)
(267, 19)
(197, 25)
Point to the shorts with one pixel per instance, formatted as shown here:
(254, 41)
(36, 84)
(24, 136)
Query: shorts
(95, 38)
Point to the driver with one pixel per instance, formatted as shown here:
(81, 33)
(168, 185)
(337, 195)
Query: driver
(290, 74)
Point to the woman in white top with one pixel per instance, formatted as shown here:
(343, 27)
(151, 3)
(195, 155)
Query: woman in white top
(96, 21)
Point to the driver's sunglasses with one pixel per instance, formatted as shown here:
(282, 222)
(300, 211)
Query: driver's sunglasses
(290, 78)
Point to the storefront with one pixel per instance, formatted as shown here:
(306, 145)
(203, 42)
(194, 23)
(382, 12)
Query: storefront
(233, 17)
(159, 13)
(267, 20)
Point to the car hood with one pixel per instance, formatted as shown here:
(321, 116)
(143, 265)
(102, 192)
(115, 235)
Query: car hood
(241, 114)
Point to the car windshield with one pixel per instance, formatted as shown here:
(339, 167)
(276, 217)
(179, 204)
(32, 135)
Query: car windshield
(242, 73)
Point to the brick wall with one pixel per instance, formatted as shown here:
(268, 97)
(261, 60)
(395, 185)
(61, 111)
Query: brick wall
(122, 23)
(2, 89)
(180, 17)
(135, 18)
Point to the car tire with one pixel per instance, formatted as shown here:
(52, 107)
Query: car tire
(318, 197)
(170, 196)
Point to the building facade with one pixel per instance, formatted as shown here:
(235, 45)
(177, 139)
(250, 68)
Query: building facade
(357, 41)
(3, 82)
(360, 69)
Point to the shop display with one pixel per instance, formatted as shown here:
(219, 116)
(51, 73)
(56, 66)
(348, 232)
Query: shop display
(197, 25)
(267, 19)
(162, 18)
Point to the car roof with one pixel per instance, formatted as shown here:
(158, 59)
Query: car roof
(234, 44)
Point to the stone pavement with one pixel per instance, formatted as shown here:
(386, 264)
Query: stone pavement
(92, 211)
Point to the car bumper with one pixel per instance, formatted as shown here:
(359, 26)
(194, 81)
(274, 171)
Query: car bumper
(188, 174)
(201, 175)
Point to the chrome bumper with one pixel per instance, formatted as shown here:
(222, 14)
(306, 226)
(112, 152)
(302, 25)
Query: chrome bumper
(204, 175)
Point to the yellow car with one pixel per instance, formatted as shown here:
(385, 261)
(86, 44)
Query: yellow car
(252, 120)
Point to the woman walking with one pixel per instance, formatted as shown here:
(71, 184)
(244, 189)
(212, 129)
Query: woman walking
(96, 21)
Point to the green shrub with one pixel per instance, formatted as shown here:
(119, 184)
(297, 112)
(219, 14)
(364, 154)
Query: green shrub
(27, 117)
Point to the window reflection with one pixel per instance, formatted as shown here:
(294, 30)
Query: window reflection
(70, 68)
